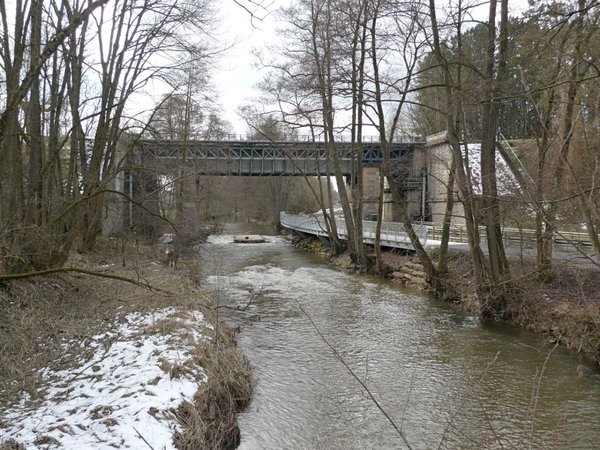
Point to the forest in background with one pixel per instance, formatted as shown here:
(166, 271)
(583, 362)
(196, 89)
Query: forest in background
(71, 71)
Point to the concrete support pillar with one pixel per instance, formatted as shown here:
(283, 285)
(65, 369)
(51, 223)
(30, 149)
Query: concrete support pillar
(371, 176)
(115, 205)
(439, 160)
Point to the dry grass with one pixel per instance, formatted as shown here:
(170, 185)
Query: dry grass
(11, 444)
(39, 316)
(210, 422)
(567, 309)
(47, 321)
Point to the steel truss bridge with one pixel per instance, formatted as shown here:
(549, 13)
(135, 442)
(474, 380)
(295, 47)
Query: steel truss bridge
(267, 158)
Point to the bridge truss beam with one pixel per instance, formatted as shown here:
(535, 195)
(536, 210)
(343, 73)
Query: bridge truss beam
(266, 158)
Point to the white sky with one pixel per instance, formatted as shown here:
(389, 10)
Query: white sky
(237, 75)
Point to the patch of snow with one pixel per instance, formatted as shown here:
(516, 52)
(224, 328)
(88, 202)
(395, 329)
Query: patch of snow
(220, 239)
(124, 396)
(507, 184)
(167, 238)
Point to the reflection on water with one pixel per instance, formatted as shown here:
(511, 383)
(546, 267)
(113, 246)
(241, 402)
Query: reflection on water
(447, 380)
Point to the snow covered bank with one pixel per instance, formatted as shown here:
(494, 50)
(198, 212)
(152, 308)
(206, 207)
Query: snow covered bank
(125, 395)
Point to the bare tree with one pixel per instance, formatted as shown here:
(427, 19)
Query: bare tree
(406, 41)
(322, 71)
(65, 109)
(495, 75)
(29, 179)
(556, 95)
(463, 181)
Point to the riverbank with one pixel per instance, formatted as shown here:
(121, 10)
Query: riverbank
(104, 362)
(565, 310)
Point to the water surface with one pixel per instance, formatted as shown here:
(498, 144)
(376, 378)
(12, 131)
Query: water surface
(444, 379)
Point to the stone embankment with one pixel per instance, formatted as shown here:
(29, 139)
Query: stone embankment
(410, 274)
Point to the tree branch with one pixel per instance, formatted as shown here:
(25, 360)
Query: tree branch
(39, 273)
(49, 50)
(340, 359)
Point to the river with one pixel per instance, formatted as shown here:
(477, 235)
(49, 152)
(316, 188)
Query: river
(445, 379)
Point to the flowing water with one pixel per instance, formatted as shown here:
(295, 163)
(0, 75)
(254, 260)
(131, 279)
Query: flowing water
(444, 379)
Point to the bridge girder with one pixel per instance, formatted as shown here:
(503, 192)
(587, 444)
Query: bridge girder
(266, 158)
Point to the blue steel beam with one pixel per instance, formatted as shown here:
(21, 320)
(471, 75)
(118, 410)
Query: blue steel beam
(268, 158)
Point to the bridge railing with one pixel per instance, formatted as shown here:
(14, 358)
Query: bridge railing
(312, 138)
(227, 150)
(392, 234)
(517, 237)
(395, 231)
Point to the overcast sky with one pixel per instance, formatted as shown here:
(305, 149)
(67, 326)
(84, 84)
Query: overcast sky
(236, 75)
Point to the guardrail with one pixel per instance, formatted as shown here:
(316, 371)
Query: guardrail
(520, 237)
(392, 233)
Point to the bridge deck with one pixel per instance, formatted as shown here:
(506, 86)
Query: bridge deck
(392, 233)
(567, 245)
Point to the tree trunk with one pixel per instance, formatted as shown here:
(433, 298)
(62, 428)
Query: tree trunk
(499, 270)
(443, 258)
(464, 185)
(359, 51)
(325, 84)
(430, 270)
(33, 123)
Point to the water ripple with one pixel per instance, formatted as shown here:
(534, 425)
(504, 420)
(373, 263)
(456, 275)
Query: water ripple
(434, 371)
